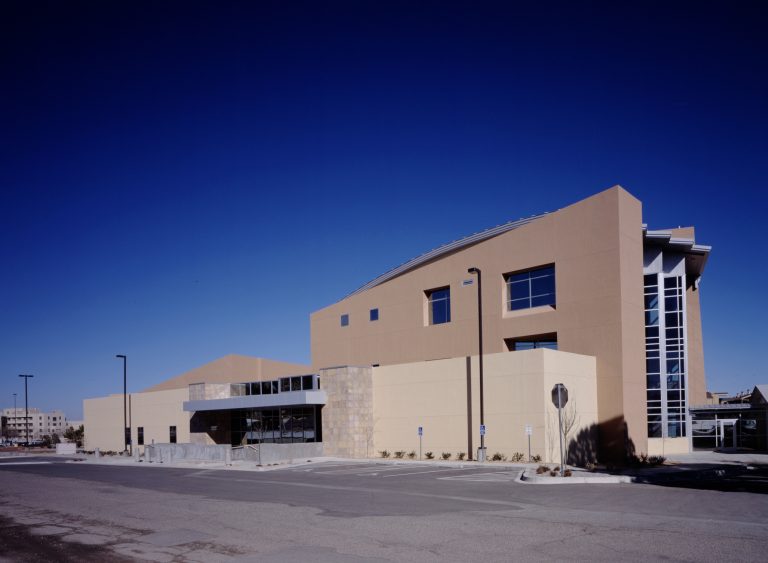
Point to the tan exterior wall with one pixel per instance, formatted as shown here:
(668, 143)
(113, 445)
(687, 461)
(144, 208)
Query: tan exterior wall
(156, 412)
(668, 446)
(697, 381)
(517, 392)
(234, 368)
(597, 248)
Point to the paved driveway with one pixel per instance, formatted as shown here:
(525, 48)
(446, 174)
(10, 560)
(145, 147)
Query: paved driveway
(366, 511)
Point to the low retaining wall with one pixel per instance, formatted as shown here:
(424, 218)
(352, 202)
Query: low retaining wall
(267, 454)
(263, 454)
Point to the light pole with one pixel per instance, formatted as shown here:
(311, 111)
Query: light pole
(26, 403)
(15, 417)
(125, 404)
(480, 345)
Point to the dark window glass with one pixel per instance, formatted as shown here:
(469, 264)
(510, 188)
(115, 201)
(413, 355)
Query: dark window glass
(654, 430)
(275, 389)
(296, 383)
(651, 301)
(654, 381)
(652, 365)
(439, 306)
(671, 319)
(345, 320)
(140, 435)
(285, 384)
(650, 279)
(652, 317)
(306, 382)
(534, 288)
(654, 395)
(266, 387)
(256, 388)
(374, 314)
(173, 434)
(670, 282)
(652, 331)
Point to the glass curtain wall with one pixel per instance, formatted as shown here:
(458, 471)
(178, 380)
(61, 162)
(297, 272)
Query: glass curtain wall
(282, 425)
(665, 356)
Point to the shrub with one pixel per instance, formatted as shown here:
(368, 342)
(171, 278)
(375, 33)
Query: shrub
(446, 455)
(384, 453)
(567, 473)
(399, 454)
(460, 456)
(553, 473)
(411, 454)
(498, 457)
(517, 457)
(429, 455)
(536, 458)
(656, 460)
(542, 469)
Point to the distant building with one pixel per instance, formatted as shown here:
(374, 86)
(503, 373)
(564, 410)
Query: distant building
(587, 296)
(740, 422)
(39, 423)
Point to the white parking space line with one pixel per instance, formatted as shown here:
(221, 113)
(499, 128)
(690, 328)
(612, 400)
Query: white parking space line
(485, 477)
(431, 471)
(361, 469)
(24, 463)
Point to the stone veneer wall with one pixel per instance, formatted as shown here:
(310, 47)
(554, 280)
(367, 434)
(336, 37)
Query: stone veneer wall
(348, 414)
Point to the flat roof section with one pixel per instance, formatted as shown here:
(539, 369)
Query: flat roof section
(287, 399)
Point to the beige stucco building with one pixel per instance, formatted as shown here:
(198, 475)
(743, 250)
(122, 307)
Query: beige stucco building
(586, 296)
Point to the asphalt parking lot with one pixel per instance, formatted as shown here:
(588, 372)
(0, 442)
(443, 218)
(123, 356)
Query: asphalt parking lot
(364, 511)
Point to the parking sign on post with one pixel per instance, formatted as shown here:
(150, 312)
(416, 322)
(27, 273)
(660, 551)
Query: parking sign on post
(560, 399)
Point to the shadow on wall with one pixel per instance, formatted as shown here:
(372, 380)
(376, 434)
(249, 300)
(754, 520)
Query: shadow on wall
(615, 446)
(214, 423)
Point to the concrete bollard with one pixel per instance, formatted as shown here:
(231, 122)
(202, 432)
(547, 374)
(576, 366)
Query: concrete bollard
(228, 456)
(136, 454)
(97, 453)
(148, 454)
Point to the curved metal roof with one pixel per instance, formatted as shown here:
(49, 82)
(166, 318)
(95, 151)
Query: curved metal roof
(414, 263)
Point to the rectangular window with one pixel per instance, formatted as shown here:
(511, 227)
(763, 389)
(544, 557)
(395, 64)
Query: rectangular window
(285, 384)
(548, 341)
(140, 435)
(173, 434)
(533, 288)
(439, 305)
(374, 315)
(306, 382)
(345, 320)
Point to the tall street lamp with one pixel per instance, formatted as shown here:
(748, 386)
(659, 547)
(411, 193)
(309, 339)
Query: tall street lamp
(15, 415)
(26, 403)
(480, 345)
(125, 404)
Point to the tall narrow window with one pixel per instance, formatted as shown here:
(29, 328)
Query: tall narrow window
(345, 320)
(173, 434)
(533, 288)
(374, 315)
(439, 305)
(140, 435)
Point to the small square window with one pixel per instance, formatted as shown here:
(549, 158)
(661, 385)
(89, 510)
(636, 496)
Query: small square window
(374, 314)
(345, 320)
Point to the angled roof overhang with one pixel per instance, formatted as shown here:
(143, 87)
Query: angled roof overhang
(695, 254)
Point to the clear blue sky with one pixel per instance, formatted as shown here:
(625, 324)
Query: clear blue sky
(184, 180)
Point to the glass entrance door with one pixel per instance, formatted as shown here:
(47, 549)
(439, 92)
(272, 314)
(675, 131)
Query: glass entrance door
(727, 438)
